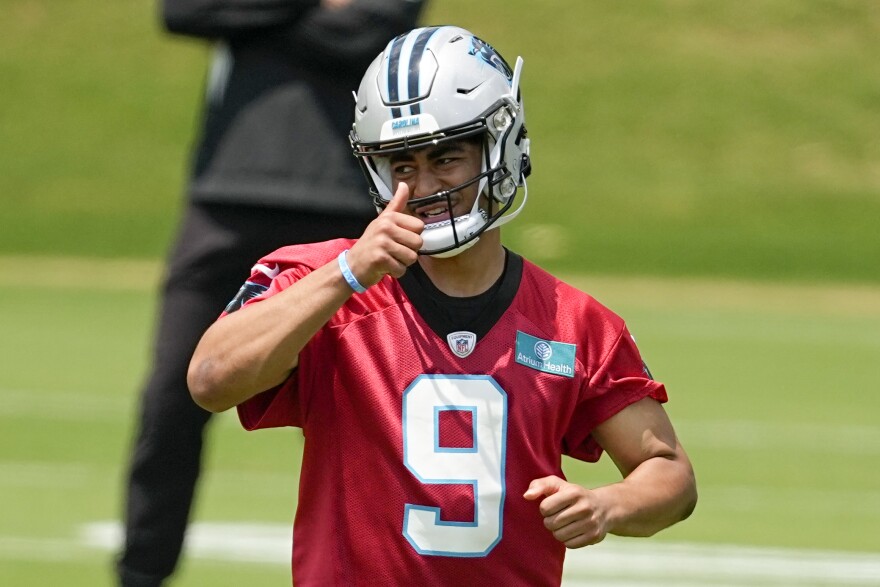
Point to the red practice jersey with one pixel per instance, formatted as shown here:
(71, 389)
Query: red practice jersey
(422, 434)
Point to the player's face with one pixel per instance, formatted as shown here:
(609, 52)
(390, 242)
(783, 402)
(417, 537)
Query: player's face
(435, 169)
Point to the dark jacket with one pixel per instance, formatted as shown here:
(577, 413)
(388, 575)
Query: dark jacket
(278, 100)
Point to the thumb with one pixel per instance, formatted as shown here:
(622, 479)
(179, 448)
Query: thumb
(543, 487)
(400, 199)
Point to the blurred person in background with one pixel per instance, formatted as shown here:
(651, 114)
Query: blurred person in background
(272, 166)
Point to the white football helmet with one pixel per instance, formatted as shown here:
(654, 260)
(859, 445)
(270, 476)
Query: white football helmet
(435, 84)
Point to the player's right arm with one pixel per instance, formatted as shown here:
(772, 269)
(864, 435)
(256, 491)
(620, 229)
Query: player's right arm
(257, 347)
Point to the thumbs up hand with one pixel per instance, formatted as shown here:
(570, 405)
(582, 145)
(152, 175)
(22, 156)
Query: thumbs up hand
(390, 243)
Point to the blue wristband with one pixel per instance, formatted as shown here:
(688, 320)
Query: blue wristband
(350, 279)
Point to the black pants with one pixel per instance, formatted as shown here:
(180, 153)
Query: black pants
(215, 249)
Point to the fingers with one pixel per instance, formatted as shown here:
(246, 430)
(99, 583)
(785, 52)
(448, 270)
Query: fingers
(543, 487)
(557, 494)
(400, 227)
(576, 527)
(399, 200)
(390, 244)
(396, 212)
(571, 512)
(398, 258)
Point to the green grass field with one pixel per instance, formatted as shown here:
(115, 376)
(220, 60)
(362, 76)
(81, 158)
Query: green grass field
(709, 170)
(669, 136)
(771, 388)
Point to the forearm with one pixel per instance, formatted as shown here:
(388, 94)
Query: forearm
(658, 493)
(348, 37)
(230, 18)
(257, 347)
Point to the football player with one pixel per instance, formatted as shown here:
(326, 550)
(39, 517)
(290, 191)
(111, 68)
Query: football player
(439, 377)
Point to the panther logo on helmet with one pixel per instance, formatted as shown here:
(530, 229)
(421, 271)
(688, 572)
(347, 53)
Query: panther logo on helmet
(487, 53)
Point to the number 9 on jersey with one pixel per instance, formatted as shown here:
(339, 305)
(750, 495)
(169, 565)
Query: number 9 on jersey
(480, 465)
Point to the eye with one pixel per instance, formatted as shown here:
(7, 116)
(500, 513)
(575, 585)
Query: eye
(401, 169)
(447, 161)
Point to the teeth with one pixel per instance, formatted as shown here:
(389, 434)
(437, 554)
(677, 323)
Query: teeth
(447, 222)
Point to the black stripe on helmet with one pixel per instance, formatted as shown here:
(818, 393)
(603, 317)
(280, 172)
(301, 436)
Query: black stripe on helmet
(415, 59)
(393, 67)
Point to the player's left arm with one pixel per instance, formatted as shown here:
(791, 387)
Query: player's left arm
(658, 487)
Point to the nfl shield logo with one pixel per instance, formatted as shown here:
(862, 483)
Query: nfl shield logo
(461, 343)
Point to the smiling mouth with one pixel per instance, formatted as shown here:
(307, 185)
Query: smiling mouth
(446, 222)
(436, 213)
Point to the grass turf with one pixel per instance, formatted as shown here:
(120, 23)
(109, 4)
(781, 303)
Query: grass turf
(768, 385)
(668, 137)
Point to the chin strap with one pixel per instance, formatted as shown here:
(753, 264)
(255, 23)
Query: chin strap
(501, 221)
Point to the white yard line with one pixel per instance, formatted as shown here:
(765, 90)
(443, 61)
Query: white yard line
(616, 562)
(657, 561)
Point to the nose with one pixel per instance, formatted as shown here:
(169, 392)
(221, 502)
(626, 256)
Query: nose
(425, 184)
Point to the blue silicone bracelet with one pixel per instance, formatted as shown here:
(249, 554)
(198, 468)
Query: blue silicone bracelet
(350, 279)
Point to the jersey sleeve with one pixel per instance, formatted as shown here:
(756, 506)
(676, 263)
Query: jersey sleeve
(282, 405)
(621, 379)
(275, 408)
(279, 406)
(280, 269)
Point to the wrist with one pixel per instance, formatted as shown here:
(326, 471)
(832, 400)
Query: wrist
(347, 274)
(610, 507)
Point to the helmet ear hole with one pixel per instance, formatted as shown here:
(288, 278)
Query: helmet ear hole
(508, 187)
(502, 119)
